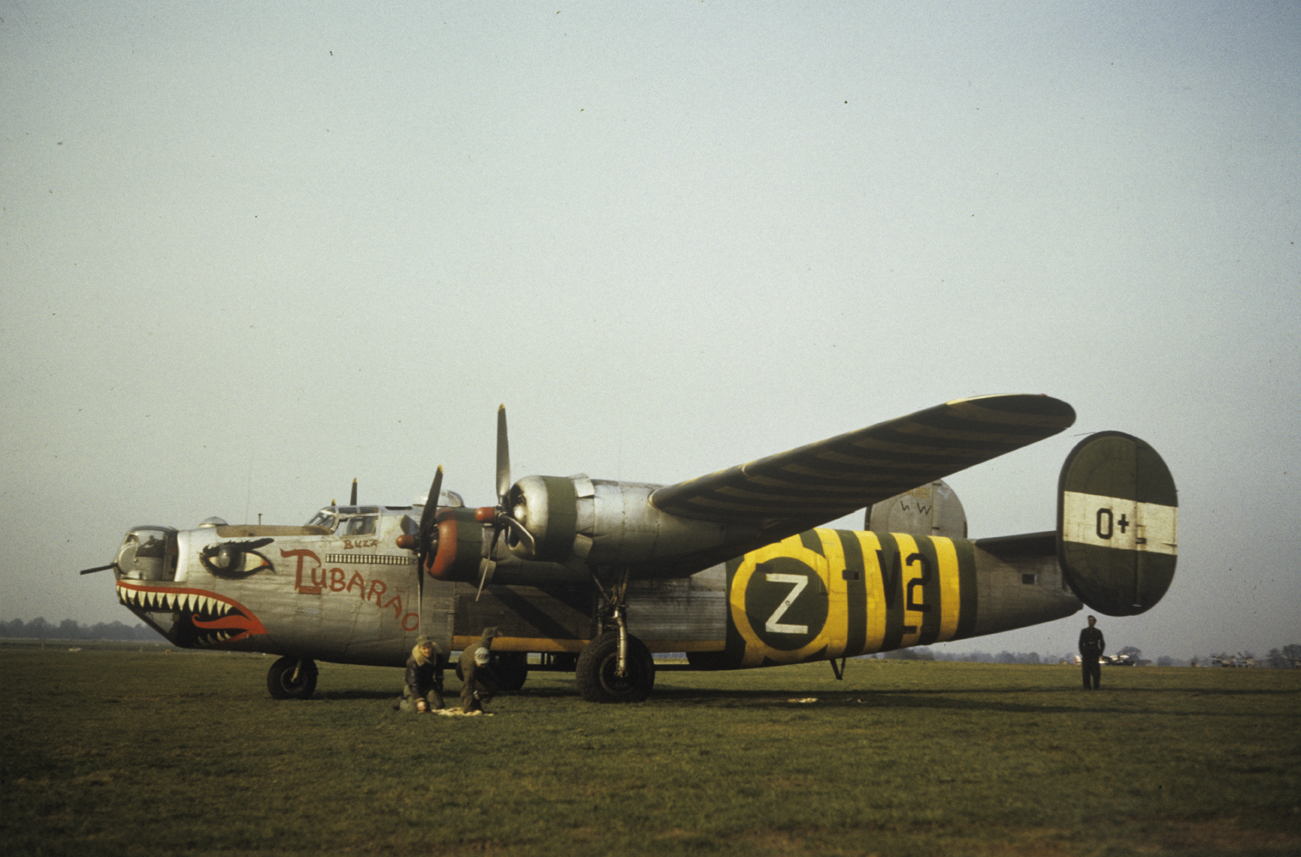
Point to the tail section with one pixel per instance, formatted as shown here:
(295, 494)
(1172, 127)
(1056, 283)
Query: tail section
(1117, 524)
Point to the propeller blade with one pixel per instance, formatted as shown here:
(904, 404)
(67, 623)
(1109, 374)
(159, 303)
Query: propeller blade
(488, 567)
(98, 568)
(428, 526)
(521, 535)
(353, 502)
(503, 458)
(501, 515)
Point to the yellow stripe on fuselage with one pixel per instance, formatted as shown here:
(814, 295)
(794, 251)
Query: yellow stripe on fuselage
(950, 588)
(871, 571)
(910, 571)
(837, 632)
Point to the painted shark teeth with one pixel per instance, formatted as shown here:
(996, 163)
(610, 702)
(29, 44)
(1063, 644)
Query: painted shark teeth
(189, 603)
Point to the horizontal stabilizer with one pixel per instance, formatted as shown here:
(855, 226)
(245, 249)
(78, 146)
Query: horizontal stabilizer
(1117, 524)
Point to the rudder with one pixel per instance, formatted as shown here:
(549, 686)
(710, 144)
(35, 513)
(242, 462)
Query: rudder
(1117, 524)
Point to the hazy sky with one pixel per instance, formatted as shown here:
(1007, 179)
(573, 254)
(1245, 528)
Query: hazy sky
(248, 252)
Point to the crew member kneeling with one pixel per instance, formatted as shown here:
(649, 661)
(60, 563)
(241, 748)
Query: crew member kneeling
(424, 687)
(480, 683)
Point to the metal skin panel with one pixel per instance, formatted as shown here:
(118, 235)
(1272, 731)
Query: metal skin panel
(527, 618)
(827, 594)
(680, 615)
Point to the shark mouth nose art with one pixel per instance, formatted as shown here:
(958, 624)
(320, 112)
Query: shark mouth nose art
(199, 618)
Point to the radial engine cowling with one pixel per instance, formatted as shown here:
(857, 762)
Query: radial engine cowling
(602, 522)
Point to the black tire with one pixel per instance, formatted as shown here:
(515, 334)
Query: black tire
(597, 665)
(280, 678)
(511, 669)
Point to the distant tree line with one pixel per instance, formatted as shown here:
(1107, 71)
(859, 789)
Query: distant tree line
(68, 629)
(921, 653)
(1288, 657)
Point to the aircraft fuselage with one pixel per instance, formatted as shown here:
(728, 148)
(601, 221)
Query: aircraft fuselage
(348, 594)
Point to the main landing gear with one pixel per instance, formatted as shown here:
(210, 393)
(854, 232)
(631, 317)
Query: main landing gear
(616, 666)
(292, 678)
(600, 678)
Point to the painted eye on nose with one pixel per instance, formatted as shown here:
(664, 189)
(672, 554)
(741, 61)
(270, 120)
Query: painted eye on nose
(235, 559)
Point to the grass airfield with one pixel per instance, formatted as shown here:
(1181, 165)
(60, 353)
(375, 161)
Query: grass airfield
(119, 750)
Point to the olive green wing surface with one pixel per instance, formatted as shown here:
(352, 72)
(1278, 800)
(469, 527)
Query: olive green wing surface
(802, 488)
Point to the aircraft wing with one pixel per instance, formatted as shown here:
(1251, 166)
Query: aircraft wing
(802, 488)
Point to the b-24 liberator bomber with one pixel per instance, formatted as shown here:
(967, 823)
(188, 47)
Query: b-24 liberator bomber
(733, 568)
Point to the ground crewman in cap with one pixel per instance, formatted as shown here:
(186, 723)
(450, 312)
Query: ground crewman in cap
(1092, 645)
(480, 684)
(424, 687)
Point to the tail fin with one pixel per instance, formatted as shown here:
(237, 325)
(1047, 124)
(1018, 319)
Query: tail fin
(1117, 524)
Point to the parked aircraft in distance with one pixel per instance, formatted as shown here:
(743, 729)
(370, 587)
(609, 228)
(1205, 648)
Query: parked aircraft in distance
(733, 568)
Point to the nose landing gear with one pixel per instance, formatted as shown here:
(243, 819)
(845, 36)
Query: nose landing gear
(292, 678)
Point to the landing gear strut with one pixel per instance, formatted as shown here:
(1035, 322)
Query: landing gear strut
(292, 678)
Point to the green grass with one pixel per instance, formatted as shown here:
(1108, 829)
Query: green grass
(120, 751)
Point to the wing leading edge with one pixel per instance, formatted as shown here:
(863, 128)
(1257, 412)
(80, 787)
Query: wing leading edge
(804, 487)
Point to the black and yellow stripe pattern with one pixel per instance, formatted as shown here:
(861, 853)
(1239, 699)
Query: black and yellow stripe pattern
(826, 594)
(794, 490)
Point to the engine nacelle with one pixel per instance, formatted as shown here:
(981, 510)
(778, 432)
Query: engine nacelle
(601, 522)
(460, 546)
(932, 509)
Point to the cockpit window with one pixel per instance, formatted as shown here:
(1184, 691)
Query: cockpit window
(324, 518)
(347, 520)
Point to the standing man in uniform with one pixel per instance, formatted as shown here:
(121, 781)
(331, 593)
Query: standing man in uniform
(424, 682)
(479, 681)
(1092, 645)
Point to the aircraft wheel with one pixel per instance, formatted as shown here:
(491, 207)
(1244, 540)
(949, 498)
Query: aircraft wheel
(597, 676)
(511, 669)
(280, 678)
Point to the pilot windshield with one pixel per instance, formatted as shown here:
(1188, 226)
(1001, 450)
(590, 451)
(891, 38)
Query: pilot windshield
(347, 520)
